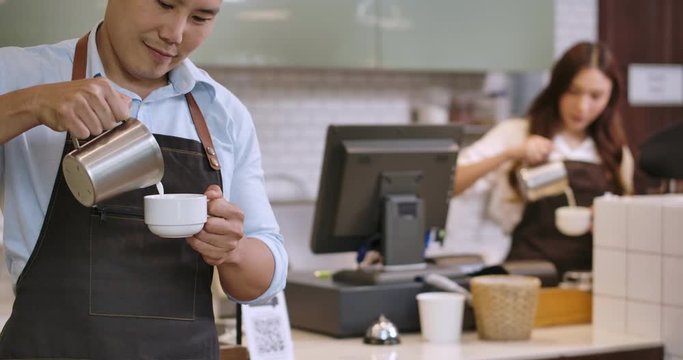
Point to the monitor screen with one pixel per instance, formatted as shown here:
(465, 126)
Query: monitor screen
(388, 183)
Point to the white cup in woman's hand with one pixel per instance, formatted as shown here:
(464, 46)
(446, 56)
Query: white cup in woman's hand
(175, 215)
(573, 220)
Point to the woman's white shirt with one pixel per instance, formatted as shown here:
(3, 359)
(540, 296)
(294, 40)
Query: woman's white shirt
(482, 217)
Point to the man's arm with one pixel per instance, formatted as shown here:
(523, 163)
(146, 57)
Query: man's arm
(16, 114)
(249, 276)
(245, 265)
(82, 107)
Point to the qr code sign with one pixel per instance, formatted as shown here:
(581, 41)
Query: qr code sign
(268, 335)
(267, 329)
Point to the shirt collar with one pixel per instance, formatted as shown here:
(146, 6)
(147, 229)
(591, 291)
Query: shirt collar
(586, 151)
(183, 77)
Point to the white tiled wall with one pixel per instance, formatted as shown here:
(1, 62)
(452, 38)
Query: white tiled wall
(292, 109)
(637, 273)
(575, 20)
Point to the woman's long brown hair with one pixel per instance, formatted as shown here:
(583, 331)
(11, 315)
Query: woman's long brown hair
(607, 132)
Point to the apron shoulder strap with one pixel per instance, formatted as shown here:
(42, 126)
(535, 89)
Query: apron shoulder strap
(203, 131)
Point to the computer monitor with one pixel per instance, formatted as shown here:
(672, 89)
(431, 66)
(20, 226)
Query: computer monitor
(389, 183)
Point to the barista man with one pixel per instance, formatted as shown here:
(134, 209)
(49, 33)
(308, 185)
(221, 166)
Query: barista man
(94, 283)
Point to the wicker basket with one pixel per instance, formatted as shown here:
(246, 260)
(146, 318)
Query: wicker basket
(505, 306)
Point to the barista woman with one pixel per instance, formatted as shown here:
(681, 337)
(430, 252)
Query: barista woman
(575, 120)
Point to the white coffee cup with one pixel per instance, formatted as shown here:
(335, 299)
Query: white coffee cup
(441, 316)
(175, 215)
(573, 220)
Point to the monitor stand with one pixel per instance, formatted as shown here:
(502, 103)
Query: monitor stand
(402, 243)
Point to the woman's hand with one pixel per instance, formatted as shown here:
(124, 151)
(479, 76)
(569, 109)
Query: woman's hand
(533, 151)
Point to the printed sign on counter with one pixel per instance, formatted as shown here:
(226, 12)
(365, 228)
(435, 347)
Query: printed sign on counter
(267, 330)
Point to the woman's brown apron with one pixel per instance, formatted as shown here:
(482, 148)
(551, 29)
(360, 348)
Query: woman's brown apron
(536, 236)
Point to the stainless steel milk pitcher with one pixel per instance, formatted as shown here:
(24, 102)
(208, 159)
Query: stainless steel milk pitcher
(544, 180)
(121, 159)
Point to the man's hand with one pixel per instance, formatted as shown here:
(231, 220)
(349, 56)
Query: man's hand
(82, 107)
(219, 240)
(245, 265)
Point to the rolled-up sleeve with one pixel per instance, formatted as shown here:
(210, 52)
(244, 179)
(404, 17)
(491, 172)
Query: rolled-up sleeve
(247, 190)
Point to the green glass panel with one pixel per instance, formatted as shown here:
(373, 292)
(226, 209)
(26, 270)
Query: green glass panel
(474, 35)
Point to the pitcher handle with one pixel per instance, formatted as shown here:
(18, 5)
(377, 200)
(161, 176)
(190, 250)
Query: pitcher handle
(75, 142)
(77, 145)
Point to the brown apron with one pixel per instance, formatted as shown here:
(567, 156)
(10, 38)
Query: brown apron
(536, 236)
(99, 285)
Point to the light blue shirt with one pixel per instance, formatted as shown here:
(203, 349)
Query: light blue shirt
(29, 162)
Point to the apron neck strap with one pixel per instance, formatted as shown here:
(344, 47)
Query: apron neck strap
(80, 58)
(78, 72)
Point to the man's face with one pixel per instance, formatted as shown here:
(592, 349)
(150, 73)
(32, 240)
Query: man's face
(148, 38)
